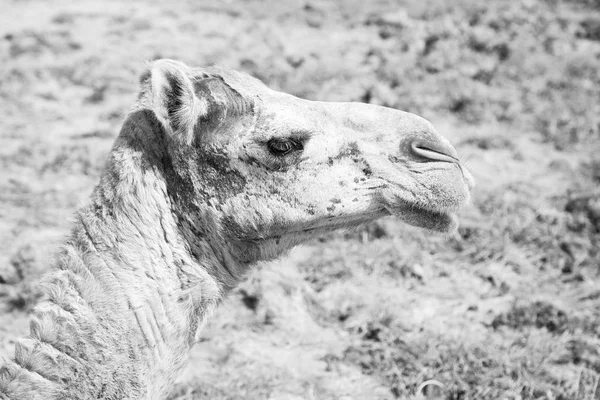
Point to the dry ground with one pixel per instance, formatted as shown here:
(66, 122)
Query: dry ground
(507, 308)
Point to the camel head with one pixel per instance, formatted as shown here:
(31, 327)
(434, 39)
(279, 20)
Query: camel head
(270, 170)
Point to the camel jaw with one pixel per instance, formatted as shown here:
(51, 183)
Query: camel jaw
(276, 242)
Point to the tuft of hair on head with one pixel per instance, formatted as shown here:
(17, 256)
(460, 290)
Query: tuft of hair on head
(173, 99)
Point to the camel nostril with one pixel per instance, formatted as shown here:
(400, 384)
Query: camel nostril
(435, 151)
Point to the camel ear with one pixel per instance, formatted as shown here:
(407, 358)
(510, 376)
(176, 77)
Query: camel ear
(173, 100)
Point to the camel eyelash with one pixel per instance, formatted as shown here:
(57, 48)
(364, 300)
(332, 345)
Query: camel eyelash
(283, 146)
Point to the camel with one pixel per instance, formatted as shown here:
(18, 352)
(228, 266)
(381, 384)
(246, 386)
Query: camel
(211, 173)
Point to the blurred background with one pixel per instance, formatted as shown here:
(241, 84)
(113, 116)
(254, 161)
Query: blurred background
(506, 308)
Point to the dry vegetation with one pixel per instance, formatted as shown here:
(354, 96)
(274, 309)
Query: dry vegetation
(507, 308)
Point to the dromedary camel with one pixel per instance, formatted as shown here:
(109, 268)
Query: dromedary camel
(211, 173)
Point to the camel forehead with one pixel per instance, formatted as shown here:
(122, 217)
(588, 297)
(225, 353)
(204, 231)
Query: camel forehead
(240, 81)
(272, 101)
(298, 114)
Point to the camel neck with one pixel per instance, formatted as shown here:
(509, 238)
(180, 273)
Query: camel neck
(115, 324)
(129, 296)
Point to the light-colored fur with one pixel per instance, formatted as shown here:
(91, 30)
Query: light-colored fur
(190, 199)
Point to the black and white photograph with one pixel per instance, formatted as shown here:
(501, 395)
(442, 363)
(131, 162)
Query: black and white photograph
(300, 200)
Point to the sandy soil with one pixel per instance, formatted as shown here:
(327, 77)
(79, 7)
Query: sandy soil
(507, 308)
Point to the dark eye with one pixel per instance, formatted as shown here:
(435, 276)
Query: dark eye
(281, 147)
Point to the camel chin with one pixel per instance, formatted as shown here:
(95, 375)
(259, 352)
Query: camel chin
(416, 215)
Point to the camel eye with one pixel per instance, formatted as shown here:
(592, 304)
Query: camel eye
(281, 147)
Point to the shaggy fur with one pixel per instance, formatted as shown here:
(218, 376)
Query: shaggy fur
(194, 193)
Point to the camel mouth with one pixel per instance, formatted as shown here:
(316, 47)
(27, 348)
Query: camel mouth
(436, 210)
